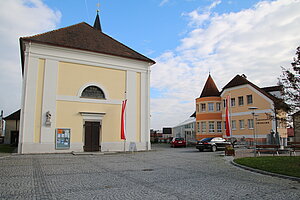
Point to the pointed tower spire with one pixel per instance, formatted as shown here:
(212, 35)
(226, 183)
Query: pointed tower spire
(210, 89)
(97, 24)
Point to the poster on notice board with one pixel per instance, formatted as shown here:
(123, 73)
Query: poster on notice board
(62, 139)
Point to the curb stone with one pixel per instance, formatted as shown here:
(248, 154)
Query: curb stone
(109, 152)
(265, 172)
(2, 157)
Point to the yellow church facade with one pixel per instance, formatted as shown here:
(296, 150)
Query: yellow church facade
(74, 82)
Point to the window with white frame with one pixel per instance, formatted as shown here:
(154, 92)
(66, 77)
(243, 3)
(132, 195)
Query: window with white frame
(198, 127)
(210, 107)
(249, 99)
(250, 124)
(93, 92)
(203, 107)
(203, 127)
(232, 102)
(218, 106)
(211, 127)
(241, 101)
(233, 124)
(242, 124)
(224, 103)
(219, 127)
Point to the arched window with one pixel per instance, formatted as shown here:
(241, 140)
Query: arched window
(93, 92)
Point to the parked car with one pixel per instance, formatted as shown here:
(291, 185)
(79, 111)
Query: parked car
(178, 142)
(212, 143)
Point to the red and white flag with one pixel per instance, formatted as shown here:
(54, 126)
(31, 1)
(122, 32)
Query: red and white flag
(123, 120)
(228, 125)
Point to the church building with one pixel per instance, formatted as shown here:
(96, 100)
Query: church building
(74, 82)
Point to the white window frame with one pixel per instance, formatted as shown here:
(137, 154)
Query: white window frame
(224, 103)
(250, 95)
(203, 127)
(250, 124)
(203, 107)
(242, 124)
(198, 127)
(211, 126)
(242, 98)
(219, 126)
(233, 124)
(232, 102)
(211, 107)
(218, 106)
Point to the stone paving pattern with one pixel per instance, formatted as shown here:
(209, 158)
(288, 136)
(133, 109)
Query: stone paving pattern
(167, 173)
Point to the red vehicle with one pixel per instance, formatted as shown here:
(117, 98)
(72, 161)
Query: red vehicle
(178, 142)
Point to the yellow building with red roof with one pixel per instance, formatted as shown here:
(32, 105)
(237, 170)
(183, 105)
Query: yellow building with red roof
(253, 111)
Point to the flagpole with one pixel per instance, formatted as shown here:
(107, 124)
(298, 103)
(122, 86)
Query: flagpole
(230, 118)
(227, 117)
(123, 123)
(125, 145)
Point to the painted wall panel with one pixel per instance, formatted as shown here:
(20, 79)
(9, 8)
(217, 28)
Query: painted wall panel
(28, 103)
(39, 101)
(131, 107)
(68, 116)
(49, 100)
(73, 76)
(138, 107)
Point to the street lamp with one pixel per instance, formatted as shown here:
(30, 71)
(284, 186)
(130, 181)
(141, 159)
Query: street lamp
(254, 134)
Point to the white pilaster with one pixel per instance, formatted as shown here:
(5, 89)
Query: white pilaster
(147, 116)
(144, 105)
(26, 136)
(131, 106)
(49, 101)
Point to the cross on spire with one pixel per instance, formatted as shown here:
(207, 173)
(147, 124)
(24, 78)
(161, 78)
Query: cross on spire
(98, 7)
(97, 24)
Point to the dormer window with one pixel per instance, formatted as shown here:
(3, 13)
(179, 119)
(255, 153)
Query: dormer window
(93, 92)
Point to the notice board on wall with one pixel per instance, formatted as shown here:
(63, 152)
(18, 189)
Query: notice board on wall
(62, 139)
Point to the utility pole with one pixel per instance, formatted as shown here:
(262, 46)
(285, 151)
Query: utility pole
(1, 123)
(254, 129)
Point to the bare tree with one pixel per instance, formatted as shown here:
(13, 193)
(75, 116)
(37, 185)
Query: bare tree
(290, 80)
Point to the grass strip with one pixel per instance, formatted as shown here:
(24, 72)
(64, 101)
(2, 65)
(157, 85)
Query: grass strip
(286, 165)
(6, 148)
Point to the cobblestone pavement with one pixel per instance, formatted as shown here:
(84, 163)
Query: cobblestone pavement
(166, 173)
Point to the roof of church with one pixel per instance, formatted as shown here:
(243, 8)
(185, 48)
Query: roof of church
(210, 89)
(82, 36)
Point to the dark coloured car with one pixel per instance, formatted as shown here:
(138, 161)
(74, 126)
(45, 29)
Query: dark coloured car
(212, 143)
(178, 142)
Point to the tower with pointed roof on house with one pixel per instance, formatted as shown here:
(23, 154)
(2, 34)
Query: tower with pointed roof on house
(208, 111)
(74, 81)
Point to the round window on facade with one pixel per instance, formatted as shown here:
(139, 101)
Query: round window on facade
(93, 92)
